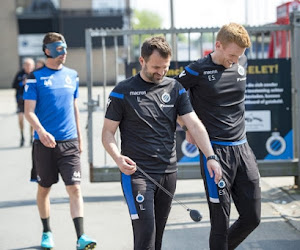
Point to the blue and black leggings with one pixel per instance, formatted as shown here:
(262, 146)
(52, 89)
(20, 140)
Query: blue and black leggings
(149, 207)
(241, 183)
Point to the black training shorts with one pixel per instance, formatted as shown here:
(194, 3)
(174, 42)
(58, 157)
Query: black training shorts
(64, 159)
(20, 106)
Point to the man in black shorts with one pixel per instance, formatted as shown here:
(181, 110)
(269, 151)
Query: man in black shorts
(51, 107)
(18, 84)
(145, 108)
(216, 84)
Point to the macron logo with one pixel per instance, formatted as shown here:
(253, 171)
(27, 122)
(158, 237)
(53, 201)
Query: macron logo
(182, 74)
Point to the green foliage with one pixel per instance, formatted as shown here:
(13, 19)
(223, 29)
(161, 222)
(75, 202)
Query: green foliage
(142, 20)
(146, 19)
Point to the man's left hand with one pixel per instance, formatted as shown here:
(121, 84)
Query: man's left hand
(215, 170)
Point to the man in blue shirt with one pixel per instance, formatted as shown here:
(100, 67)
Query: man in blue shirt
(51, 108)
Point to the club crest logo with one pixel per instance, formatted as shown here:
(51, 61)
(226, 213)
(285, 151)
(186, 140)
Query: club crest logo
(241, 70)
(166, 97)
(68, 79)
(221, 184)
(139, 198)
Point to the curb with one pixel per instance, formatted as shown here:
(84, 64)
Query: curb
(286, 201)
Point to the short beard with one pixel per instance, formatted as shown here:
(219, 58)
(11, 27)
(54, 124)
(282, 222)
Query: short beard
(151, 77)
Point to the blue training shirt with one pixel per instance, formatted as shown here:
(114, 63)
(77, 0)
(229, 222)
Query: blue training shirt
(54, 92)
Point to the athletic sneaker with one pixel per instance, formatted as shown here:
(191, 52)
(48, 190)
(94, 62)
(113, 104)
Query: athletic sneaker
(47, 240)
(84, 242)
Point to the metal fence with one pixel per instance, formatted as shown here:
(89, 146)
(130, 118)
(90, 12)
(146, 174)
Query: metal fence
(187, 45)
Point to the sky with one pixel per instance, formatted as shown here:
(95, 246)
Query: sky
(211, 13)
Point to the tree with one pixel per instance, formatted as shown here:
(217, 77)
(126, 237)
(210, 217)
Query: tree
(146, 19)
(142, 20)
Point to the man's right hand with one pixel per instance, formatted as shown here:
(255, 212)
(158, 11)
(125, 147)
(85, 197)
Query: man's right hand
(126, 165)
(47, 139)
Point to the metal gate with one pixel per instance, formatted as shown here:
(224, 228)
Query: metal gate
(118, 48)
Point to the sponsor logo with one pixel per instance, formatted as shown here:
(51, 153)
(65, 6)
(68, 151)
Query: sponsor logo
(46, 77)
(38, 178)
(76, 176)
(241, 79)
(108, 102)
(26, 87)
(47, 80)
(138, 92)
(166, 105)
(182, 74)
(210, 72)
(48, 83)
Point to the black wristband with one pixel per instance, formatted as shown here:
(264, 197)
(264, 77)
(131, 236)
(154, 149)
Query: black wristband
(213, 157)
(184, 128)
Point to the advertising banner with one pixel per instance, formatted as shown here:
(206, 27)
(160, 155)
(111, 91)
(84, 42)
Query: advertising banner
(268, 108)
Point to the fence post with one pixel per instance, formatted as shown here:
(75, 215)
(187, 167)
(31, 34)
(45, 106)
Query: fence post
(295, 22)
(89, 78)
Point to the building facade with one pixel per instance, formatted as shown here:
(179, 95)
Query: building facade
(25, 22)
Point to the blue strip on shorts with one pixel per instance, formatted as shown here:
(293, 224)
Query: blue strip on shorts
(127, 189)
(211, 185)
(229, 143)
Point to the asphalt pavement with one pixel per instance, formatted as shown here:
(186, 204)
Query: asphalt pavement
(106, 214)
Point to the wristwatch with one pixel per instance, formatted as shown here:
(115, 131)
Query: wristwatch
(213, 157)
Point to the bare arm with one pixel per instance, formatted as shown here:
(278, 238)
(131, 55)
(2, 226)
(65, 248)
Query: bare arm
(125, 164)
(199, 133)
(188, 136)
(76, 111)
(46, 138)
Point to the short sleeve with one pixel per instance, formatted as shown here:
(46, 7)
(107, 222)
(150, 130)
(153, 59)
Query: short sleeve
(189, 76)
(115, 106)
(76, 93)
(184, 105)
(30, 89)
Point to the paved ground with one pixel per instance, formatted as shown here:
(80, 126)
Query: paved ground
(106, 216)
